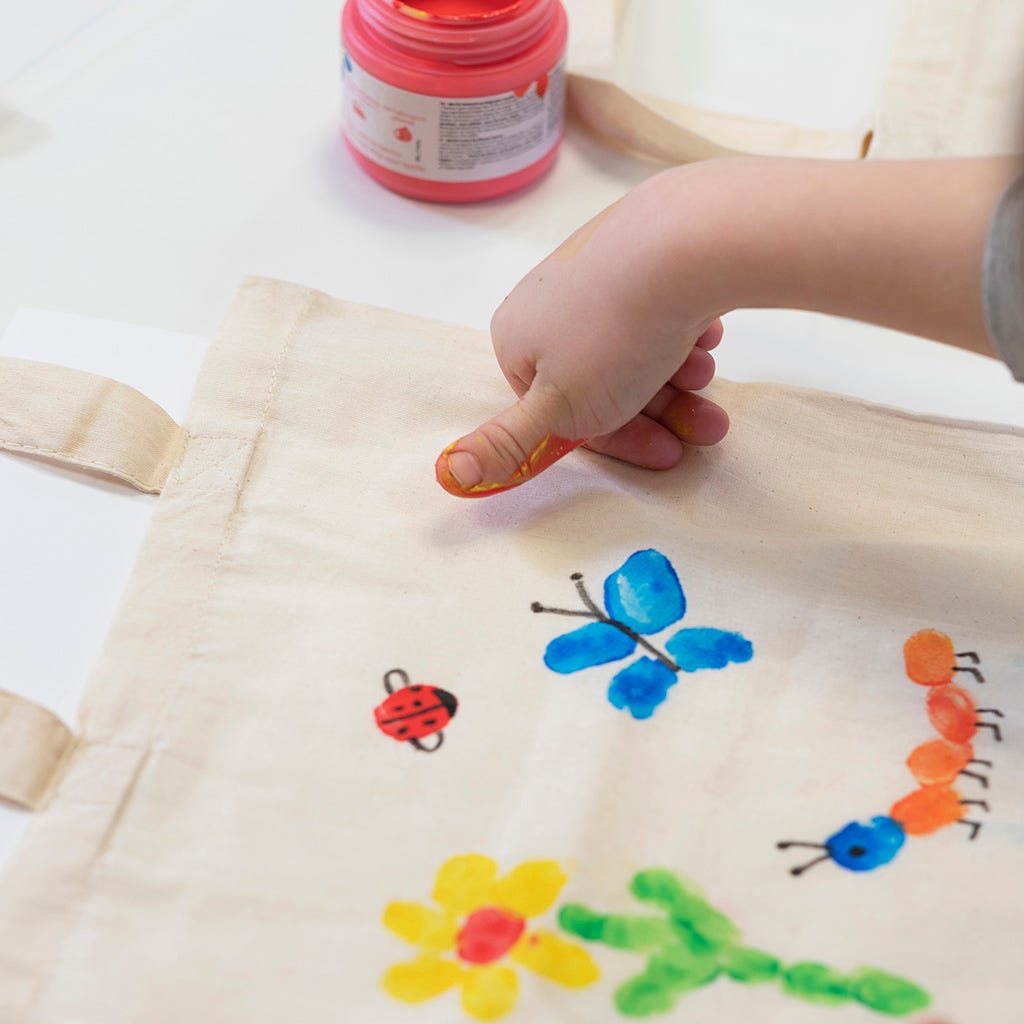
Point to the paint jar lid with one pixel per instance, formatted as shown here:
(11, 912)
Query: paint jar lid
(468, 32)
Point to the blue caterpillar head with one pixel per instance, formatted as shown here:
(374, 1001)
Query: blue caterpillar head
(856, 846)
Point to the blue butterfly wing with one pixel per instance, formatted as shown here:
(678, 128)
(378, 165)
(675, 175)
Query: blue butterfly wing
(641, 687)
(694, 649)
(644, 593)
(593, 644)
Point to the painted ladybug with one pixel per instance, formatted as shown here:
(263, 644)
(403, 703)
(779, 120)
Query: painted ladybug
(411, 713)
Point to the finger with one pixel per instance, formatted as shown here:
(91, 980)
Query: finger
(508, 450)
(642, 442)
(711, 337)
(694, 419)
(697, 372)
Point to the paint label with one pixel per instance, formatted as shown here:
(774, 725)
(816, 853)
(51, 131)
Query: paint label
(440, 138)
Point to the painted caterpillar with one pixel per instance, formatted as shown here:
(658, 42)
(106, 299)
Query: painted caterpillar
(931, 661)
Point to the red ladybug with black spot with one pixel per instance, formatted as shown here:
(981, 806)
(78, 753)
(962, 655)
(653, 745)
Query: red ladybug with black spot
(412, 712)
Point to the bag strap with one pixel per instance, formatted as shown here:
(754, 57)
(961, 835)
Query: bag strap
(672, 133)
(34, 746)
(954, 78)
(955, 81)
(86, 421)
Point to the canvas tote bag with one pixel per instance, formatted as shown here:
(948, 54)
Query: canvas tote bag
(953, 86)
(358, 751)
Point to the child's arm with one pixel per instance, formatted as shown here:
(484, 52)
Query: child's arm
(599, 339)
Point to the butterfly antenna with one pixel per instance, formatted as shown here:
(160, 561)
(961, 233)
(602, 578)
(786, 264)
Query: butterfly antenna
(581, 589)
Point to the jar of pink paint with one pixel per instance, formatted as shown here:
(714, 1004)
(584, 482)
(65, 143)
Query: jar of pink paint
(454, 100)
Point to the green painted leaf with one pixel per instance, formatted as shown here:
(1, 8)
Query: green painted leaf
(817, 984)
(664, 981)
(707, 931)
(750, 966)
(638, 934)
(644, 996)
(886, 993)
(667, 890)
(578, 920)
(684, 971)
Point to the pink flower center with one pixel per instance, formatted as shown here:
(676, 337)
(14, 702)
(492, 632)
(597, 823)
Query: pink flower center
(488, 934)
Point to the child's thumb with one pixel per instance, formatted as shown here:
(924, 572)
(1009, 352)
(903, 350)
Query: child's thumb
(508, 450)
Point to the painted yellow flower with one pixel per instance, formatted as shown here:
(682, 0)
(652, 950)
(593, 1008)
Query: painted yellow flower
(482, 919)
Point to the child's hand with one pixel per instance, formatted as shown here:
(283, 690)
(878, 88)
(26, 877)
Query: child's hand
(602, 349)
(607, 339)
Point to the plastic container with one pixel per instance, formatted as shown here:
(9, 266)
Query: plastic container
(454, 100)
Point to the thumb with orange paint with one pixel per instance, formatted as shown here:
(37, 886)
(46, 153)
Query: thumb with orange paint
(603, 348)
(506, 451)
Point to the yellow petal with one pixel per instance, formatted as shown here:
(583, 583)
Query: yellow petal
(489, 992)
(531, 888)
(423, 978)
(422, 926)
(464, 884)
(554, 958)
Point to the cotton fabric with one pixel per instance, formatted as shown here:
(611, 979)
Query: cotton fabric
(953, 86)
(232, 830)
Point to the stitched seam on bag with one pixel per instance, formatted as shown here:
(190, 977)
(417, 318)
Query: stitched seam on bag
(229, 519)
(120, 474)
(177, 477)
(146, 749)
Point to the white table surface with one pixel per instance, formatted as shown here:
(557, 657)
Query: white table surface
(151, 153)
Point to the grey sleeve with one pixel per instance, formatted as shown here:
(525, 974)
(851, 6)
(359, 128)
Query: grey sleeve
(1003, 288)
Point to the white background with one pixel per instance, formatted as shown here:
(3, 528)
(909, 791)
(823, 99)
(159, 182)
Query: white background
(153, 152)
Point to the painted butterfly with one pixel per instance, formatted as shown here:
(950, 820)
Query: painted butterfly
(642, 597)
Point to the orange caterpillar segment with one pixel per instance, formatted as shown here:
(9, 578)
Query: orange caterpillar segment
(930, 657)
(953, 713)
(927, 810)
(939, 762)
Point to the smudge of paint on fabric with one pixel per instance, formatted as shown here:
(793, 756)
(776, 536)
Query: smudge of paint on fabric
(690, 944)
(545, 455)
(478, 931)
(931, 660)
(413, 711)
(642, 597)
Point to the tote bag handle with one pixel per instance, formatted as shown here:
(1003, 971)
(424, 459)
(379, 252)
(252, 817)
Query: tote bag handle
(954, 86)
(34, 747)
(89, 422)
(95, 424)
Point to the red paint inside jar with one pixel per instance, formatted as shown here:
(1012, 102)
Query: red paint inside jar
(458, 10)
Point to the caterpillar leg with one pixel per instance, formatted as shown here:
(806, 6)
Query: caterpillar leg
(983, 804)
(983, 779)
(996, 731)
(975, 660)
(978, 677)
(974, 826)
